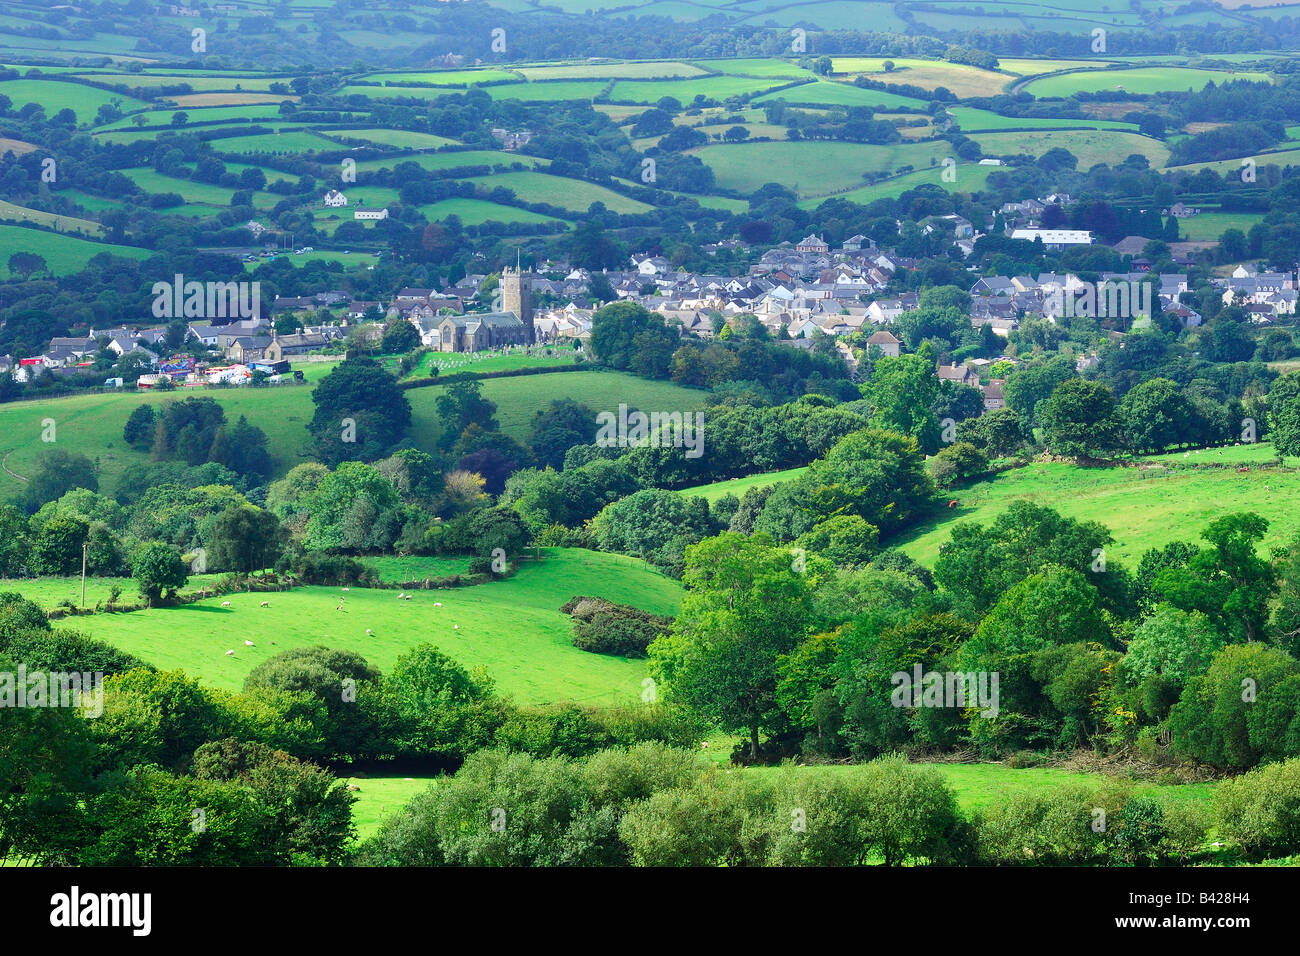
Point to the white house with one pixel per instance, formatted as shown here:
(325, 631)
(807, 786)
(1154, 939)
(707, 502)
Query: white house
(335, 199)
(372, 214)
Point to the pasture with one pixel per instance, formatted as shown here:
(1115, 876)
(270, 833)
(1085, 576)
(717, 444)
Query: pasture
(738, 486)
(812, 168)
(63, 254)
(1140, 80)
(1143, 507)
(513, 628)
(1089, 146)
(575, 195)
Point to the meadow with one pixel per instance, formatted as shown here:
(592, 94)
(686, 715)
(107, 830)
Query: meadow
(1211, 225)
(575, 195)
(57, 95)
(12, 213)
(475, 212)
(1144, 507)
(92, 424)
(63, 254)
(738, 486)
(958, 78)
(1089, 146)
(1141, 80)
(811, 168)
(513, 628)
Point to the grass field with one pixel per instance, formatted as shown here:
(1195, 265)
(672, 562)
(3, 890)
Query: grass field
(646, 70)
(455, 159)
(1143, 507)
(1141, 80)
(92, 424)
(11, 213)
(63, 254)
(513, 628)
(970, 177)
(397, 138)
(972, 120)
(1211, 225)
(484, 362)
(835, 93)
(55, 95)
(416, 567)
(380, 797)
(811, 168)
(475, 212)
(572, 194)
(1089, 146)
(965, 81)
(738, 486)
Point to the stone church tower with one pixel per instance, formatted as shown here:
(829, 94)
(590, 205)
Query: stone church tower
(517, 297)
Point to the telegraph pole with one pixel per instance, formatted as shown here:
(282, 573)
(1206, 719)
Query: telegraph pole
(84, 546)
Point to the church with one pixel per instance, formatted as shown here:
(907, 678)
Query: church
(490, 330)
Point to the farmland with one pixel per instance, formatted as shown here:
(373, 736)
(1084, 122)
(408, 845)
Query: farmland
(63, 254)
(1141, 80)
(1144, 507)
(92, 424)
(811, 169)
(513, 628)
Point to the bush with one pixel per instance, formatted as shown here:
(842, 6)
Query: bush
(1260, 810)
(604, 627)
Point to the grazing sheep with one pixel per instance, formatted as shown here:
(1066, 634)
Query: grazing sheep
(401, 595)
(456, 626)
(437, 604)
(266, 604)
(249, 644)
(368, 630)
(225, 604)
(230, 653)
(408, 597)
(347, 589)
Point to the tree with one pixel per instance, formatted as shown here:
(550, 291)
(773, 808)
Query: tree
(242, 448)
(158, 570)
(360, 413)
(901, 393)
(243, 539)
(139, 428)
(1284, 414)
(1154, 415)
(56, 549)
(1228, 582)
(57, 473)
(400, 337)
(559, 426)
(625, 335)
(25, 264)
(1079, 419)
(744, 607)
(460, 406)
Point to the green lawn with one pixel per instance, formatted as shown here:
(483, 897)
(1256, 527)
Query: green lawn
(51, 592)
(1211, 225)
(475, 212)
(380, 798)
(56, 95)
(482, 362)
(1143, 507)
(835, 93)
(513, 628)
(397, 138)
(451, 159)
(416, 567)
(972, 120)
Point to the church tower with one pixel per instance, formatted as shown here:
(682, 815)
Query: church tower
(517, 296)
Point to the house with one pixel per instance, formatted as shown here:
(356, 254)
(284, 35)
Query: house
(1055, 238)
(370, 214)
(813, 245)
(887, 344)
(993, 397)
(958, 375)
(335, 199)
(1180, 211)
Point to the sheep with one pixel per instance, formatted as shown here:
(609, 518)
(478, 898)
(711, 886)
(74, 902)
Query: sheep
(456, 626)
(408, 597)
(230, 653)
(225, 604)
(266, 604)
(401, 595)
(347, 589)
(249, 644)
(437, 604)
(368, 631)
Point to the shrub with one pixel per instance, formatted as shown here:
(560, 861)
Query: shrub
(1260, 810)
(604, 627)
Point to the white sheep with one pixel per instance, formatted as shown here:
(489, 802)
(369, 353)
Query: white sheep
(266, 604)
(408, 597)
(401, 595)
(368, 630)
(225, 604)
(456, 626)
(230, 653)
(249, 644)
(437, 604)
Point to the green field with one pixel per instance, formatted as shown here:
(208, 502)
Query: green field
(92, 424)
(395, 569)
(1211, 225)
(51, 592)
(685, 90)
(1141, 80)
(397, 138)
(63, 254)
(55, 96)
(152, 181)
(513, 628)
(11, 213)
(455, 159)
(738, 486)
(1143, 507)
(442, 77)
(380, 797)
(475, 212)
(634, 70)
(811, 168)
(572, 194)
(1089, 146)
(970, 177)
(972, 120)
(482, 362)
(963, 80)
(834, 93)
